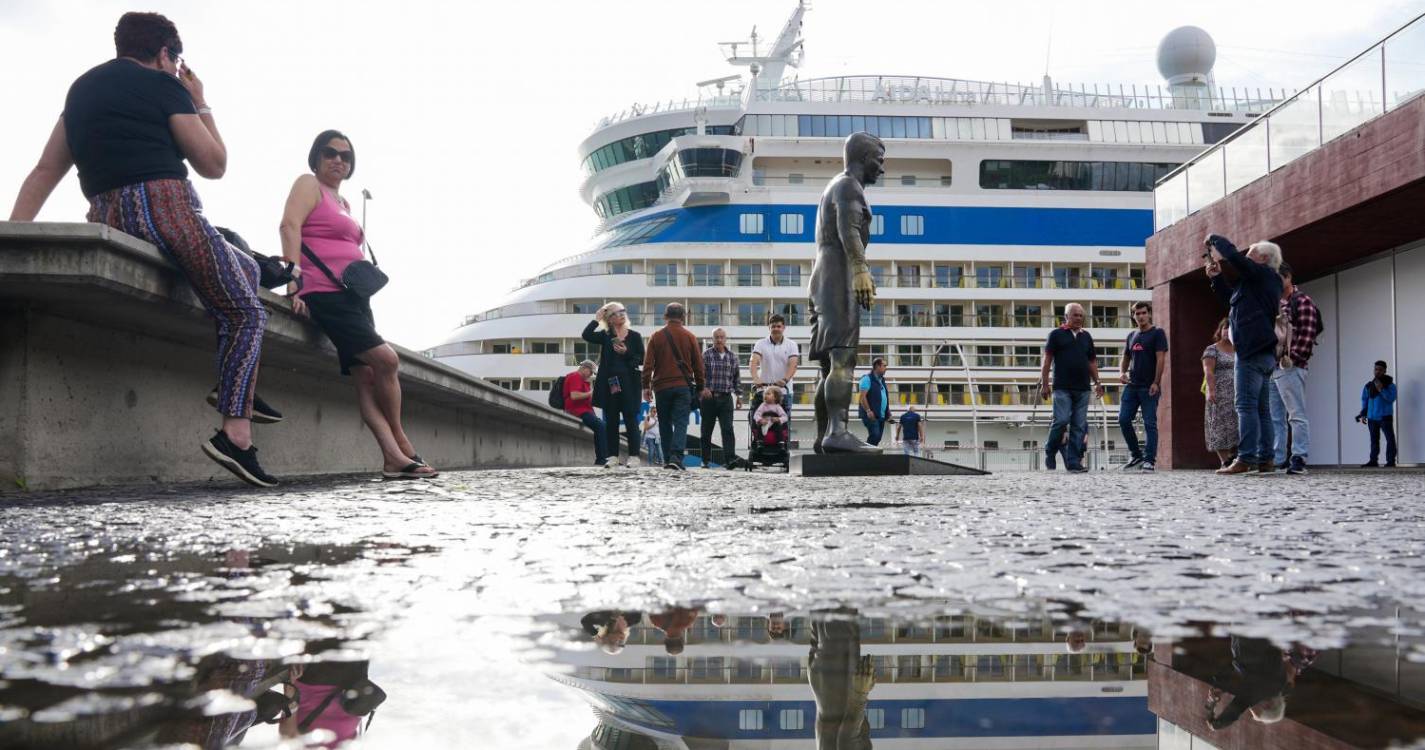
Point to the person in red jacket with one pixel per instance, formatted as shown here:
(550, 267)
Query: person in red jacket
(579, 402)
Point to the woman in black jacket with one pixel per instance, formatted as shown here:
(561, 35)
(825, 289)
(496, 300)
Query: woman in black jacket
(616, 387)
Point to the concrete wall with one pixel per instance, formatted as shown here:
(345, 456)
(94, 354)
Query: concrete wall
(106, 357)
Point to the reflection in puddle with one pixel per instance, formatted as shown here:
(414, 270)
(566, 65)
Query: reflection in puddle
(331, 642)
(980, 677)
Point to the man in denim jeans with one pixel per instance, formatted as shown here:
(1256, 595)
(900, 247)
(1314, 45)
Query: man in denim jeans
(1145, 357)
(672, 373)
(1070, 351)
(1288, 385)
(1253, 299)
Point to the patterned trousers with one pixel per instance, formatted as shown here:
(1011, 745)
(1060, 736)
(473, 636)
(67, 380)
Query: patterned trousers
(168, 214)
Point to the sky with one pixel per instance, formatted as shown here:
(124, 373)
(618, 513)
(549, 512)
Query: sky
(466, 116)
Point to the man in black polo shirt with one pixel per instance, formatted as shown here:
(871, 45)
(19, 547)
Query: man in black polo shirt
(1145, 357)
(1070, 351)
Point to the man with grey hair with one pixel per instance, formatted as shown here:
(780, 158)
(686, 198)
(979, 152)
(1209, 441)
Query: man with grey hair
(721, 393)
(1070, 351)
(578, 392)
(672, 376)
(1253, 299)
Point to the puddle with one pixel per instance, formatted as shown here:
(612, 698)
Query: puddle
(530, 610)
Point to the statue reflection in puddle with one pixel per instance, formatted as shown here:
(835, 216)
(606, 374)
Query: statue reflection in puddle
(841, 679)
(610, 628)
(1260, 680)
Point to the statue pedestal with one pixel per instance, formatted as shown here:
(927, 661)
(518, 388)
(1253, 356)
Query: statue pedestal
(876, 465)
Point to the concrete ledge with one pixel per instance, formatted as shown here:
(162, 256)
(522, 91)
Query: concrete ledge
(106, 356)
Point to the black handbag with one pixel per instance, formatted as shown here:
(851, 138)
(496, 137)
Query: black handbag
(274, 272)
(360, 277)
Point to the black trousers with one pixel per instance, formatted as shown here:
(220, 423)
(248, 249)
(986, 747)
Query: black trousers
(625, 405)
(718, 409)
(1377, 426)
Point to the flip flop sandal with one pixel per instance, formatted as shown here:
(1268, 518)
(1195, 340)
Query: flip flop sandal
(410, 471)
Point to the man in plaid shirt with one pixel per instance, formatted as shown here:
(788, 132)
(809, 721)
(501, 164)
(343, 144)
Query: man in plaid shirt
(724, 389)
(1288, 384)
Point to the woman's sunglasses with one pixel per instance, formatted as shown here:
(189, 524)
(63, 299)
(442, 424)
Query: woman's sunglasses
(330, 153)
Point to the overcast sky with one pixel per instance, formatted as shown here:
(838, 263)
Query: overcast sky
(466, 116)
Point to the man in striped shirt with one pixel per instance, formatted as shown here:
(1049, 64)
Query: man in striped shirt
(1288, 383)
(723, 391)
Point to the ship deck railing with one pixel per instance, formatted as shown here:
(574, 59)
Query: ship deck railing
(1083, 667)
(922, 281)
(1380, 79)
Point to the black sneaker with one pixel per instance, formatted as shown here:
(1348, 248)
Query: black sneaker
(1133, 464)
(1080, 469)
(671, 466)
(243, 463)
(262, 412)
(1297, 466)
(1049, 462)
(1370, 465)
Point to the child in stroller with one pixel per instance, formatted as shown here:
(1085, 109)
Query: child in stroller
(770, 430)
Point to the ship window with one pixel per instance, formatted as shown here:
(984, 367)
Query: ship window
(501, 347)
(665, 274)
(912, 718)
(749, 274)
(789, 274)
(791, 223)
(620, 268)
(1004, 174)
(506, 383)
(750, 223)
(908, 179)
(707, 274)
(544, 347)
(584, 308)
(878, 225)
(912, 225)
(752, 313)
(796, 178)
(790, 719)
(705, 313)
(876, 718)
(749, 719)
(945, 180)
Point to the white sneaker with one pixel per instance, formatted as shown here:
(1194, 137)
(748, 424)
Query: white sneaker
(630, 463)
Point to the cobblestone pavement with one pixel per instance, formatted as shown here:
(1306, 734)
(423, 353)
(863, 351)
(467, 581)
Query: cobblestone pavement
(137, 584)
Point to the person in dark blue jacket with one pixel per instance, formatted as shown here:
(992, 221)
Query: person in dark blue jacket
(1378, 413)
(1253, 298)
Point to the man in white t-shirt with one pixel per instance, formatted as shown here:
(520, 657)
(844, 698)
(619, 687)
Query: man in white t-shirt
(775, 359)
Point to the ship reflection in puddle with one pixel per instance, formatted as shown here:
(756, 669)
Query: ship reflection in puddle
(980, 677)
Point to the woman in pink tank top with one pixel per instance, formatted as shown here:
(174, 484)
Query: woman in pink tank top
(317, 222)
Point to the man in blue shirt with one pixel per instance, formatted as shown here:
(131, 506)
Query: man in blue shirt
(1378, 413)
(1145, 357)
(875, 400)
(908, 431)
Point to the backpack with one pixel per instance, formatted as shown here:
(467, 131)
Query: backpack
(556, 394)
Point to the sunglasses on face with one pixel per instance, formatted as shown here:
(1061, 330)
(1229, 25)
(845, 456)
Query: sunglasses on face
(330, 153)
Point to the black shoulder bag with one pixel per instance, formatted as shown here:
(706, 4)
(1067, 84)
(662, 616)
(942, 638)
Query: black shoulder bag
(683, 368)
(360, 277)
(274, 272)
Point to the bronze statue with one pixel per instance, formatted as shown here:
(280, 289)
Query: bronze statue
(841, 286)
(841, 680)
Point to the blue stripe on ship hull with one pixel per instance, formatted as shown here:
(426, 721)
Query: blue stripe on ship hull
(980, 717)
(944, 225)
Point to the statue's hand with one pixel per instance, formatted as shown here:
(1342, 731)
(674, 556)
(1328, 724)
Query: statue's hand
(865, 288)
(865, 678)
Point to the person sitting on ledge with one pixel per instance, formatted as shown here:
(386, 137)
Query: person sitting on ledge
(317, 228)
(128, 125)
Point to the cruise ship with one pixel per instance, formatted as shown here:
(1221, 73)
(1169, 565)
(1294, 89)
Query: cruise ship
(1001, 203)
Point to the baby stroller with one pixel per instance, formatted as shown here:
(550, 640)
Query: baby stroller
(760, 450)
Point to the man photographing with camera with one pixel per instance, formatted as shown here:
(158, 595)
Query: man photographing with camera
(1377, 413)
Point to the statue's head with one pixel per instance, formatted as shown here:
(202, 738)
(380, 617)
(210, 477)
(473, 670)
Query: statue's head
(865, 156)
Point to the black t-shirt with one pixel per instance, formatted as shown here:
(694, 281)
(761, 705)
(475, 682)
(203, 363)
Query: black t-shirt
(1072, 355)
(116, 124)
(1142, 348)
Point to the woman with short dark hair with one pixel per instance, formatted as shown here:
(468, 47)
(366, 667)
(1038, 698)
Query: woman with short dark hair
(129, 125)
(317, 222)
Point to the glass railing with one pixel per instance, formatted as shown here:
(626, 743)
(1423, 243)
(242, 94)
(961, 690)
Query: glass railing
(1389, 74)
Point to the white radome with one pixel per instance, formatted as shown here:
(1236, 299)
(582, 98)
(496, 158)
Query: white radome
(1186, 56)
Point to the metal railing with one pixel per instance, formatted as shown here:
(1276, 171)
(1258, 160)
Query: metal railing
(941, 91)
(1095, 667)
(1385, 76)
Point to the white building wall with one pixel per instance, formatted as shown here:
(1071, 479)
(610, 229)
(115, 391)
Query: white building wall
(1408, 366)
(1373, 311)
